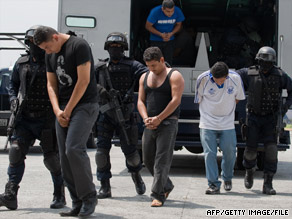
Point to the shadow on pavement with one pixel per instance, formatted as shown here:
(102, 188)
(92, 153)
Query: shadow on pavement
(27, 211)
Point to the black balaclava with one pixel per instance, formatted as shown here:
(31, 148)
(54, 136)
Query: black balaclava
(36, 52)
(265, 66)
(116, 53)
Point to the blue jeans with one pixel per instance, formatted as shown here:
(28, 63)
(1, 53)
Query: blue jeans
(227, 144)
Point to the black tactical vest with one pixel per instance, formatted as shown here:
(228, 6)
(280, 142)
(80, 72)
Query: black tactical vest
(121, 77)
(37, 94)
(263, 98)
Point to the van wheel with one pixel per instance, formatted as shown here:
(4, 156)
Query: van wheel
(261, 160)
(239, 158)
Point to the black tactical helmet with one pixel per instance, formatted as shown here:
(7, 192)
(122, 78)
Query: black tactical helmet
(266, 54)
(116, 37)
(29, 34)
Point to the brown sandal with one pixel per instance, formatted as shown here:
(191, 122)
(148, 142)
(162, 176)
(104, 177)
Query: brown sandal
(156, 203)
(167, 193)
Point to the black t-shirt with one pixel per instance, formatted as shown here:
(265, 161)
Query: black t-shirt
(74, 52)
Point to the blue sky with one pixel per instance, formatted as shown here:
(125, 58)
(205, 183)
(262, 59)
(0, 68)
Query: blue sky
(18, 16)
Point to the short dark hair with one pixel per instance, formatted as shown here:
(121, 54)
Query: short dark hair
(43, 34)
(168, 4)
(219, 70)
(152, 53)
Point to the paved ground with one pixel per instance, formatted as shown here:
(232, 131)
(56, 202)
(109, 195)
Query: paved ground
(188, 199)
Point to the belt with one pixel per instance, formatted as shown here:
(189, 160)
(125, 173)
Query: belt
(35, 114)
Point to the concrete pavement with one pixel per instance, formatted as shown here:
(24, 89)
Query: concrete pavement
(187, 200)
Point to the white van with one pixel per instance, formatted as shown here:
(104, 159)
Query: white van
(227, 30)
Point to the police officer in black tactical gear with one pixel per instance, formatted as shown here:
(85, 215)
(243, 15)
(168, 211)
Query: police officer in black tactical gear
(123, 74)
(264, 83)
(36, 121)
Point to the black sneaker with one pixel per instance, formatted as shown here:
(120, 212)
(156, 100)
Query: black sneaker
(213, 190)
(227, 185)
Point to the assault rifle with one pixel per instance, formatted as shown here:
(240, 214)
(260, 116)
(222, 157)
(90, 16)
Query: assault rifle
(280, 125)
(14, 117)
(115, 103)
(17, 110)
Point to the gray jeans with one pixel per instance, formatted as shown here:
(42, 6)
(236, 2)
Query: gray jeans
(75, 163)
(158, 146)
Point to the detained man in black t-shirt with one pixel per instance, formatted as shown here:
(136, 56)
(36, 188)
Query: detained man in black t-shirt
(73, 94)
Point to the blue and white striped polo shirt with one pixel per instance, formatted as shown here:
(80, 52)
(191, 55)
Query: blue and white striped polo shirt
(217, 103)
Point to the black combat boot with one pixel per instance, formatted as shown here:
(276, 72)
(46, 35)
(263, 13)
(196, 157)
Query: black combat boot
(59, 200)
(139, 184)
(268, 186)
(105, 189)
(248, 179)
(9, 197)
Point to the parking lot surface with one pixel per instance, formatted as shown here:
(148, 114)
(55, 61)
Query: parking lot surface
(187, 200)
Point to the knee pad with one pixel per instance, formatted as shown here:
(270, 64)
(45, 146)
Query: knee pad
(52, 163)
(15, 154)
(250, 153)
(101, 158)
(271, 152)
(133, 159)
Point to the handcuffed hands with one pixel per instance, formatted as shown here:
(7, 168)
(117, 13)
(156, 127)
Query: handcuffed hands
(152, 122)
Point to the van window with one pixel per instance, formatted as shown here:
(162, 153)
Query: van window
(78, 21)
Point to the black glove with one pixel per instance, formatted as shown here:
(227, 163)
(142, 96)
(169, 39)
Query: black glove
(104, 94)
(13, 105)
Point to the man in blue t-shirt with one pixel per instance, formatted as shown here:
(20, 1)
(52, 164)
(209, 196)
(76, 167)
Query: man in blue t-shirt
(163, 22)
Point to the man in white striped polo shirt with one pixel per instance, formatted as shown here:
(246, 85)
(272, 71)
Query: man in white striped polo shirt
(217, 92)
